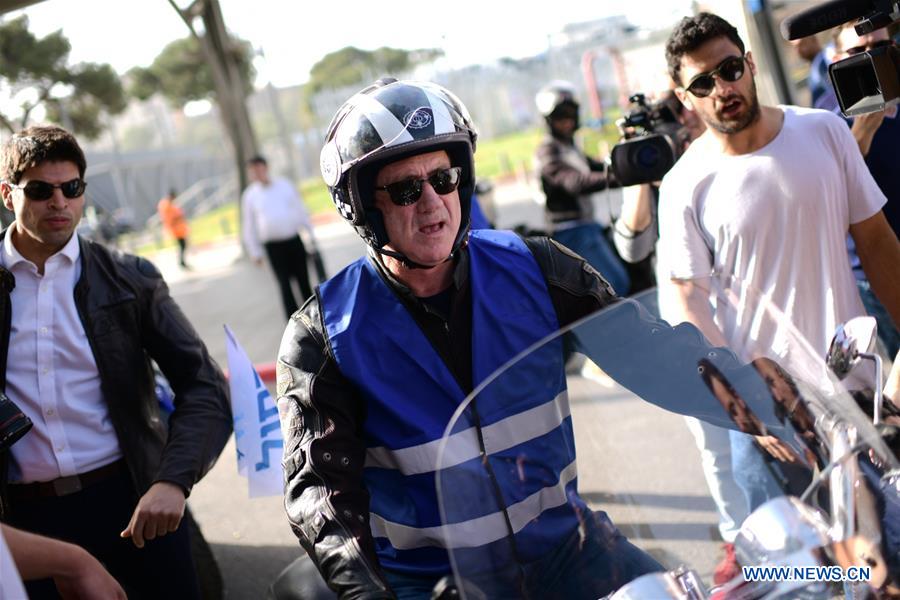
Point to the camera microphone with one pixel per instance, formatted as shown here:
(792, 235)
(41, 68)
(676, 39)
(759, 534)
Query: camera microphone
(824, 16)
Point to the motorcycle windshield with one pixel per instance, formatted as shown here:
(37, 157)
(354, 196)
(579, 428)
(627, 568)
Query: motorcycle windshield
(548, 466)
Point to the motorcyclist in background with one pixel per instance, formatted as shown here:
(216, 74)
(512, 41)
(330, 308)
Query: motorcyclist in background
(372, 367)
(569, 179)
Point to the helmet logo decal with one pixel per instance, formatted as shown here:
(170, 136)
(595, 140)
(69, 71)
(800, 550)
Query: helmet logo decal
(389, 128)
(330, 164)
(443, 121)
(419, 118)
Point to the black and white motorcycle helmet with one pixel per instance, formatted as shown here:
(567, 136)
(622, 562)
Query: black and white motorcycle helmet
(553, 95)
(388, 121)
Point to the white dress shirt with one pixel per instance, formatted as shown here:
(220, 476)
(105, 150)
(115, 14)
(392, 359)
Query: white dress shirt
(51, 373)
(271, 213)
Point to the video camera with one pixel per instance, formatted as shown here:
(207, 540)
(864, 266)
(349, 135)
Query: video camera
(868, 81)
(654, 140)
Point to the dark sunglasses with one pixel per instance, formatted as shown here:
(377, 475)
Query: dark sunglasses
(860, 49)
(41, 190)
(731, 69)
(408, 191)
(564, 111)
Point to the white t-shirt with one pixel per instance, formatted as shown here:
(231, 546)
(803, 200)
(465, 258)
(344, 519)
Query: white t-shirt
(775, 220)
(271, 213)
(11, 587)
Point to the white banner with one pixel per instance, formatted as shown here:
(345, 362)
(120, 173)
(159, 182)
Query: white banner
(257, 433)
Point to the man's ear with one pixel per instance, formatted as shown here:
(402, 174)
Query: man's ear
(749, 57)
(684, 98)
(6, 190)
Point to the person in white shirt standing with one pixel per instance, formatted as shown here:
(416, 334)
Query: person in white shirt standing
(762, 203)
(273, 213)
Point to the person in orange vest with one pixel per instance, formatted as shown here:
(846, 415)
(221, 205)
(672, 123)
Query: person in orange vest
(174, 223)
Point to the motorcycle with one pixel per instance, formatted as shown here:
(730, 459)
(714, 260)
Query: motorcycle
(832, 526)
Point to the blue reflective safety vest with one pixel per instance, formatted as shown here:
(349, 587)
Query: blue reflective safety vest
(527, 485)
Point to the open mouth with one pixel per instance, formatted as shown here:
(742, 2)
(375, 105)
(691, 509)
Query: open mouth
(432, 228)
(731, 108)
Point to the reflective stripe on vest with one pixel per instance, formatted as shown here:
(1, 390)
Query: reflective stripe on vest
(523, 418)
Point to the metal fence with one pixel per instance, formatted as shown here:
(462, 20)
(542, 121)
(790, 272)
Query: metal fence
(291, 127)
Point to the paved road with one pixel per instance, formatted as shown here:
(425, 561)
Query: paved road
(636, 462)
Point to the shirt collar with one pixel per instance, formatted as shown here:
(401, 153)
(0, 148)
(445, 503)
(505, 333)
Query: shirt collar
(12, 256)
(460, 271)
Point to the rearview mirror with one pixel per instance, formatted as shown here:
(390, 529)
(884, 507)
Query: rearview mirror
(855, 337)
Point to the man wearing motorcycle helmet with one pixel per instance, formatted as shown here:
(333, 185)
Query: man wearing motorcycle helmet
(569, 179)
(372, 367)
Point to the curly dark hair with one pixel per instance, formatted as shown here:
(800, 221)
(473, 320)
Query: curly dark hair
(693, 32)
(35, 145)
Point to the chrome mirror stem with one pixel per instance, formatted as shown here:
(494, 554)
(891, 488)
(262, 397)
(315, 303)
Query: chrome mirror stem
(879, 383)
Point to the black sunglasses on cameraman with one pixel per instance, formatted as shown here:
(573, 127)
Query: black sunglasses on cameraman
(41, 190)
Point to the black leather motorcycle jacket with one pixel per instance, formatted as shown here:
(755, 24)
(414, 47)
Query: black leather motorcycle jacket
(322, 413)
(129, 318)
(568, 178)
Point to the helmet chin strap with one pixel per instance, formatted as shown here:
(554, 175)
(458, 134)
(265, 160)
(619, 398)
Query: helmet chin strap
(461, 240)
(411, 264)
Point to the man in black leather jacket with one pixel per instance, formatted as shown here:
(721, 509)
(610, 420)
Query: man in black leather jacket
(325, 412)
(117, 471)
(423, 256)
(373, 366)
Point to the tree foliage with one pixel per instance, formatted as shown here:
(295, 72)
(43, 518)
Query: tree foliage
(182, 73)
(35, 72)
(351, 66)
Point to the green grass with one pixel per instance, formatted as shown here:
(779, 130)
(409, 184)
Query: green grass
(598, 143)
(316, 196)
(495, 158)
(218, 223)
(505, 155)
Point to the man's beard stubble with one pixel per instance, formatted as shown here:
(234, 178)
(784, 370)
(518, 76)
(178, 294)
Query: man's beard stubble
(746, 120)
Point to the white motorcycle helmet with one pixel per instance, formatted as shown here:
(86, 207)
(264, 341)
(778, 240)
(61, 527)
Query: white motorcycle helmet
(553, 96)
(388, 121)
